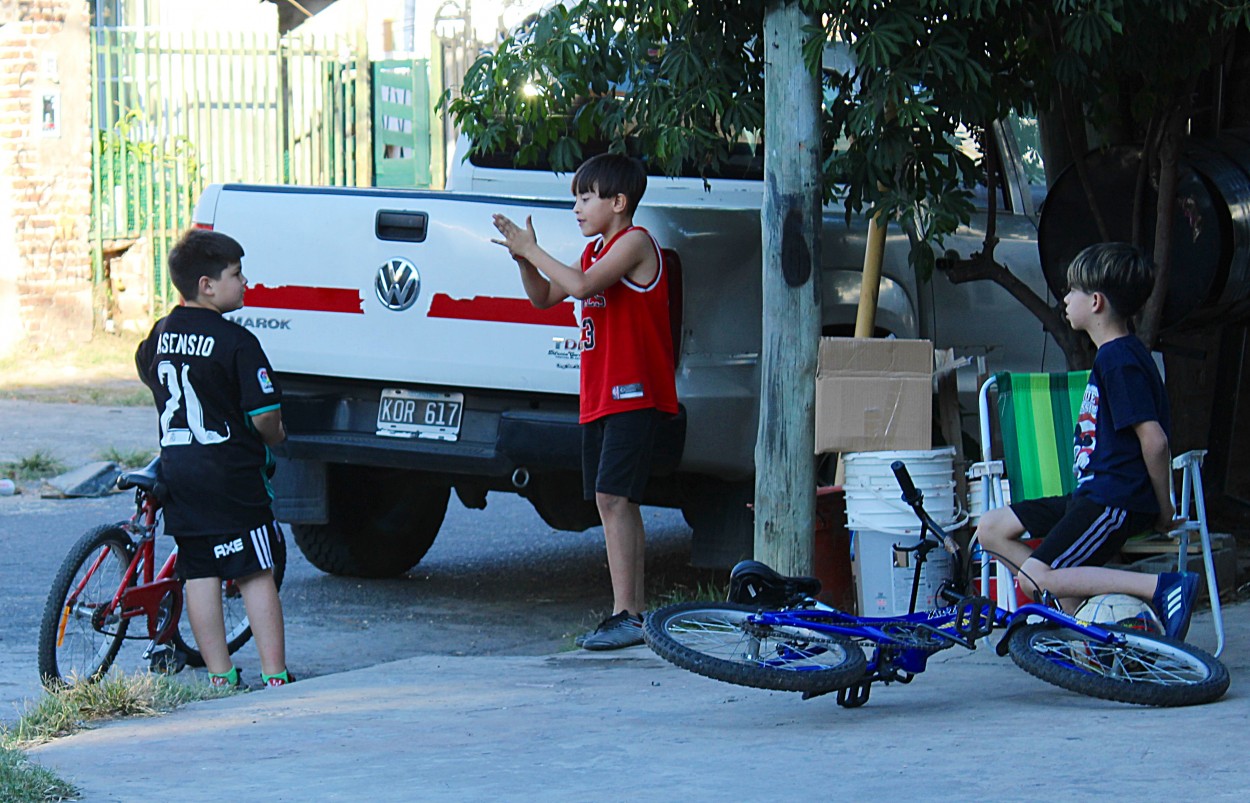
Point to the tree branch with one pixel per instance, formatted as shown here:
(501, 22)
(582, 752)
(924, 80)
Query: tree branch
(979, 267)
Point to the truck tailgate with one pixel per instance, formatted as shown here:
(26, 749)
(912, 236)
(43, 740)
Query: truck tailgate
(401, 286)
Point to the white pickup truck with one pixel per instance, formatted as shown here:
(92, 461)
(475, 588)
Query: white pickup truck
(413, 365)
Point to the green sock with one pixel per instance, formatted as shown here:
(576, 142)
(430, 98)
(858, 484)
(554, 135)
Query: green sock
(282, 676)
(232, 677)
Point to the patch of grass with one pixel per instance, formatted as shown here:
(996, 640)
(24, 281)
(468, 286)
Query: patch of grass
(68, 709)
(23, 781)
(127, 458)
(98, 371)
(671, 582)
(668, 586)
(34, 466)
(710, 590)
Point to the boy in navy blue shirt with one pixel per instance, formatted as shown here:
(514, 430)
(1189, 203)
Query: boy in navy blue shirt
(1121, 458)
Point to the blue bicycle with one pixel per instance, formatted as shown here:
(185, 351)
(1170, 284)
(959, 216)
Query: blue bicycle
(773, 634)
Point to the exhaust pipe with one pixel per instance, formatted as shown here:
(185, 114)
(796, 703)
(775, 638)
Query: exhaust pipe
(520, 478)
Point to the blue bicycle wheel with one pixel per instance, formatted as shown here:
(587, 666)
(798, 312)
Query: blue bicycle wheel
(1143, 668)
(718, 640)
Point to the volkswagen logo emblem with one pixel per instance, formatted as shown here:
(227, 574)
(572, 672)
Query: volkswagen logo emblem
(398, 284)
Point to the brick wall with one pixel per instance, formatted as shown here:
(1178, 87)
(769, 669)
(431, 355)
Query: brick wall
(45, 171)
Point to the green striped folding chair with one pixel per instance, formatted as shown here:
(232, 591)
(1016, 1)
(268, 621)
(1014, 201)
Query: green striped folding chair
(1036, 420)
(1037, 417)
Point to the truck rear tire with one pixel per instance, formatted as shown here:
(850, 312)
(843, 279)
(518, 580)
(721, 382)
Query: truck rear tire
(382, 522)
(723, 524)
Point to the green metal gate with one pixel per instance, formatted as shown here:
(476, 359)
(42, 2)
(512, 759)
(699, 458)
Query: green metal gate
(401, 123)
(176, 110)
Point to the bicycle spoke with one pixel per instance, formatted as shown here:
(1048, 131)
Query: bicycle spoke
(780, 648)
(1121, 661)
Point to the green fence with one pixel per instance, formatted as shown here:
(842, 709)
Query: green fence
(176, 110)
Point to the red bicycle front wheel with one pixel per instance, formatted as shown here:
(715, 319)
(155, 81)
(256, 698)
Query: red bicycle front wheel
(79, 636)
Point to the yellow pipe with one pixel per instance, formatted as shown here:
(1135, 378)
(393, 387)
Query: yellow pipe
(870, 283)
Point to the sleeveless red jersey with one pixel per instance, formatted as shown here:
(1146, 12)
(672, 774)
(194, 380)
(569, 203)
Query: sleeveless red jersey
(627, 345)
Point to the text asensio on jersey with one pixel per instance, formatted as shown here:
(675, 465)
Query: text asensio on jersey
(193, 345)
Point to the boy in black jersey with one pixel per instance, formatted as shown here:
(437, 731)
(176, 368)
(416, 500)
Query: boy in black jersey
(219, 414)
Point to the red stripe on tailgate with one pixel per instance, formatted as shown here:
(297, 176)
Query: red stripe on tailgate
(501, 310)
(313, 299)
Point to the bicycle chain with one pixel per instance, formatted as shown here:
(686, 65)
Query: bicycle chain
(778, 634)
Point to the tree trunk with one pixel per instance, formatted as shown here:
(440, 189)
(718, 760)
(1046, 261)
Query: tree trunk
(785, 464)
(1170, 145)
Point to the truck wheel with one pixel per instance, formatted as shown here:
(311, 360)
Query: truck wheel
(718, 513)
(382, 522)
(557, 498)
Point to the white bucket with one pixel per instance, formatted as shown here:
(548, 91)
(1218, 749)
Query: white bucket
(874, 501)
(884, 577)
(976, 497)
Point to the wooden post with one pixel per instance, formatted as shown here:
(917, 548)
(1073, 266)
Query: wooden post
(785, 464)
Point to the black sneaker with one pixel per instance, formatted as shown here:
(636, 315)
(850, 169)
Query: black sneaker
(623, 629)
(580, 640)
(1174, 601)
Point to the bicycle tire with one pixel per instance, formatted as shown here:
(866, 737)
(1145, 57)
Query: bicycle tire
(1148, 669)
(710, 639)
(238, 627)
(72, 648)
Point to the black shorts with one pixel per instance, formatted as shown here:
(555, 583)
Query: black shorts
(229, 557)
(616, 453)
(1078, 531)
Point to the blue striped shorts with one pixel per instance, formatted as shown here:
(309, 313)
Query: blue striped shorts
(1078, 531)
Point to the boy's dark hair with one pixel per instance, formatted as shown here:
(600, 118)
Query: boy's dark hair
(1117, 270)
(201, 252)
(611, 174)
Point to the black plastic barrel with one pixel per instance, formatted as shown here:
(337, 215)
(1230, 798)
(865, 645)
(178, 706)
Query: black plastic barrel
(1211, 227)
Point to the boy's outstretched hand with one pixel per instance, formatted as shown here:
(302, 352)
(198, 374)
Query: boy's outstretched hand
(516, 239)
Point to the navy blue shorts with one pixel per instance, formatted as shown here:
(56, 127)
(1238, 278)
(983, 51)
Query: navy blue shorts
(229, 557)
(1078, 531)
(616, 454)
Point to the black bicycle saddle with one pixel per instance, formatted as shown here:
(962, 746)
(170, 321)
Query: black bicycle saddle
(148, 478)
(753, 583)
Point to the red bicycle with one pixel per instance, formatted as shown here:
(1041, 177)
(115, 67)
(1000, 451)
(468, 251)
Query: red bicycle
(110, 578)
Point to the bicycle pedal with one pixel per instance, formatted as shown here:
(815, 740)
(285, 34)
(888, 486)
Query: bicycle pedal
(975, 618)
(853, 696)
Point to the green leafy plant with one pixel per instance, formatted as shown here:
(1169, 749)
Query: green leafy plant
(681, 83)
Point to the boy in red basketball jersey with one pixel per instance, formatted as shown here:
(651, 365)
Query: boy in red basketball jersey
(626, 363)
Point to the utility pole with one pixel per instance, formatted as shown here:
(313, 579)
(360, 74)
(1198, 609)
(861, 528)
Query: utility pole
(785, 463)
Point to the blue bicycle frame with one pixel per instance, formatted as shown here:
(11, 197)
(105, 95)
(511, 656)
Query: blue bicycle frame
(902, 644)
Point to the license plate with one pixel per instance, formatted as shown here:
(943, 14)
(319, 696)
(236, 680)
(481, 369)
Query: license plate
(416, 414)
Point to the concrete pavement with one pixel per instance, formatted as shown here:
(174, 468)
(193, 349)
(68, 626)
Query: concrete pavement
(628, 726)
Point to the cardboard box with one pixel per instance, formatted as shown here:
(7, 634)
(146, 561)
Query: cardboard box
(874, 395)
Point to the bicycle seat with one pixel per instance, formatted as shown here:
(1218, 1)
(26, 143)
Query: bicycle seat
(148, 478)
(753, 583)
